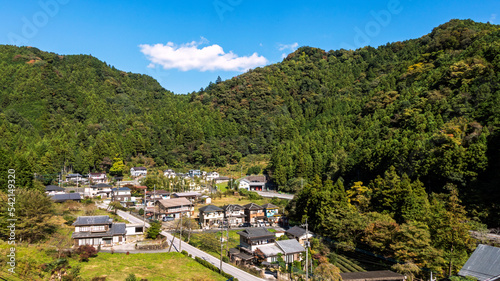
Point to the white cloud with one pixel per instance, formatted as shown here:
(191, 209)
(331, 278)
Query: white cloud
(493, 17)
(189, 57)
(292, 46)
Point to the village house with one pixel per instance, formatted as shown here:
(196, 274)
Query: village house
(100, 189)
(121, 194)
(54, 189)
(253, 183)
(138, 171)
(211, 215)
(173, 208)
(234, 214)
(252, 238)
(169, 173)
(61, 198)
(289, 249)
(194, 173)
(191, 196)
(98, 230)
(253, 213)
(271, 212)
(211, 176)
(74, 177)
(299, 234)
(98, 178)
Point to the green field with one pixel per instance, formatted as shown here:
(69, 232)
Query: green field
(154, 266)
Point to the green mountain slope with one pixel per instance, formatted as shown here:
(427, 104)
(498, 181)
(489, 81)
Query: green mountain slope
(428, 107)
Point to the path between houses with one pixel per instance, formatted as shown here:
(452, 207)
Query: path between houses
(193, 251)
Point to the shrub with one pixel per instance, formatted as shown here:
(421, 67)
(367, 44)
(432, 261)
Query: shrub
(154, 230)
(85, 252)
(214, 268)
(141, 211)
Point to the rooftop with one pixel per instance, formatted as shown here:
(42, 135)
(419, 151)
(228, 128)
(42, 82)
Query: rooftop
(64, 197)
(290, 246)
(269, 206)
(210, 208)
(252, 206)
(175, 202)
(53, 188)
(484, 263)
(256, 232)
(92, 220)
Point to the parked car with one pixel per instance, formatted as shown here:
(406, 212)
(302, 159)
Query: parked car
(245, 224)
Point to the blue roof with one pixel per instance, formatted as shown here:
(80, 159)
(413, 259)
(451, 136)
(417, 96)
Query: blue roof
(483, 264)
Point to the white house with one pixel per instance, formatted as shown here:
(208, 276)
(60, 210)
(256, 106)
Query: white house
(234, 214)
(138, 171)
(211, 176)
(74, 177)
(210, 215)
(98, 178)
(121, 194)
(244, 184)
(169, 173)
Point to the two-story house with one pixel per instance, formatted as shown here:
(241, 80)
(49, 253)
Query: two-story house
(234, 214)
(253, 238)
(138, 171)
(211, 215)
(169, 173)
(74, 177)
(254, 213)
(121, 194)
(271, 212)
(299, 234)
(253, 183)
(191, 196)
(98, 230)
(211, 176)
(173, 208)
(54, 189)
(96, 178)
(289, 249)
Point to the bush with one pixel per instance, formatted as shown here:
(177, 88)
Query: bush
(225, 259)
(214, 268)
(154, 230)
(85, 252)
(141, 211)
(184, 252)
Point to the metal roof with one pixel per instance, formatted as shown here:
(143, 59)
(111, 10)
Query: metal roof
(483, 264)
(290, 246)
(269, 206)
(270, 250)
(53, 188)
(210, 208)
(92, 220)
(256, 232)
(64, 197)
(175, 202)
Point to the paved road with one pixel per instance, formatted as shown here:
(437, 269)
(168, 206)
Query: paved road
(195, 252)
(275, 194)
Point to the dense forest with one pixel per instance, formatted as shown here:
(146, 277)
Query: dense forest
(372, 129)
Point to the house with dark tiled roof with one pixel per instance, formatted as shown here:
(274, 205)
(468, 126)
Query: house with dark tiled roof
(234, 214)
(251, 238)
(211, 215)
(54, 189)
(98, 230)
(483, 264)
(299, 234)
(61, 198)
(253, 213)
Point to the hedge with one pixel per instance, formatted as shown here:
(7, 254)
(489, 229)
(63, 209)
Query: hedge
(214, 268)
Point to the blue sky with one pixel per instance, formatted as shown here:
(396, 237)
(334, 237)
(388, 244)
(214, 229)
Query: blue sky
(186, 44)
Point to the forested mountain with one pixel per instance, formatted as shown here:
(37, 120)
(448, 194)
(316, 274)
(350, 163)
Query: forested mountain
(427, 108)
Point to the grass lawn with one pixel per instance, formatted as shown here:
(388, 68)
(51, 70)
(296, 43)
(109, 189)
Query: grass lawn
(209, 241)
(154, 266)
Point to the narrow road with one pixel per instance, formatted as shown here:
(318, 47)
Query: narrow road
(275, 194)
(195, 252)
